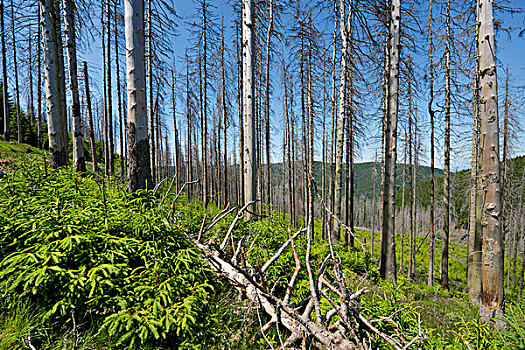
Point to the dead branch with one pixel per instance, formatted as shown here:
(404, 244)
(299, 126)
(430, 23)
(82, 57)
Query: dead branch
(280, 251)
(219, 217)
(290, 319)
(291, 284)
(178, 195)
(235, 220)
(313, 290)
(341, 223)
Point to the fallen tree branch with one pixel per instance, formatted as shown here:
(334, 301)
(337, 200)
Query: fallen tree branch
(235, 220)
(289, 319)
(280, 251)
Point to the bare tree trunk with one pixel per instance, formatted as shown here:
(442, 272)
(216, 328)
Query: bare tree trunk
(30, 108)
(474, 245)
(189, 154)
(250, 165)
(105, 142)
(387, 264)
(446, 177)
(225, 124)
(310, 174)
(56, 111)
(109, 92)
(432, 151)
(324, 192)
(333, 110)
(15, 64)
(39, 79)
(79, 163)
(303, 89)
(5, 101)
(402, 246)
(293, 160)
(158, 139)
(176, 150)
(413, 183)
(119, 99)
(151, 105)
(504, 170)
(139, 175)
(349, 232)
(286, 144)
(336, 228)
(204, 112)
(374, 211)
(240, 93)
(492, 291)
(267, 108)
(90, 119)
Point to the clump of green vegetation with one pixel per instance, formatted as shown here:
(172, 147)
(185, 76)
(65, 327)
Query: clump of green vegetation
(85, 253)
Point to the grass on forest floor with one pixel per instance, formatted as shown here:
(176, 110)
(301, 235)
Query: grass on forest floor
(11, 150)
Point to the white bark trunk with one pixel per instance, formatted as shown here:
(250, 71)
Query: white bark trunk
(138, 146)
(56, 113)
(250, 163)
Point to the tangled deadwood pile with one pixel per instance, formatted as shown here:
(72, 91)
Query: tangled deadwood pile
(302, 321)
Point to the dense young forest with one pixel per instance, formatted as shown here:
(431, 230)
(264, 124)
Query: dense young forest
(268, 174)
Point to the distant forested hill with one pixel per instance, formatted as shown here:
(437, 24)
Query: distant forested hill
(364, 176)
(459, 185)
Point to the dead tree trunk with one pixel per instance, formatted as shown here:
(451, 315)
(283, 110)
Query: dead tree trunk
(387, 264)
(111, 147)
(119, 97)
(139, 175)
(204, 112)
(432, 149)
(336, 228)
(90, 119)
(474, 245)
(30, 107)
(56, 111)
(176, 149)
(402, 246)
(492, 291)
(15, 64)
(374, 211)
(240, 94)
(5, 102)
(39, 79)
(333, 112)
(225, 125)
(267, 108)
(79, 163)
(151, 105)
(446, 176)
(250, 160)
(189, 150)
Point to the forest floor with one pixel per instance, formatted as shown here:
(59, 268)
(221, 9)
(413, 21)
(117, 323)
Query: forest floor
(83, 266)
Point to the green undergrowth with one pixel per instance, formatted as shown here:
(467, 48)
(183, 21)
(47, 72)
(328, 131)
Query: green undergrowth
(85, 265)
(86, 257)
